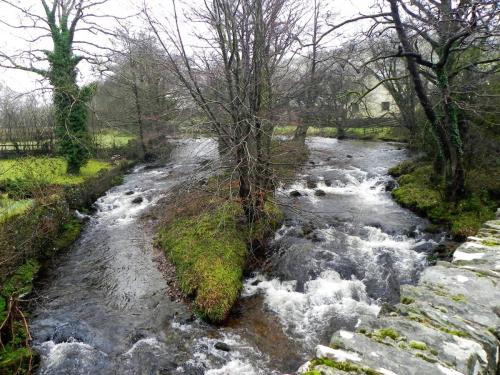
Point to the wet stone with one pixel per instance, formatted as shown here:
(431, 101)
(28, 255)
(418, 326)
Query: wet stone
(295, 194)
(137, 200)
(319, 193)
(222, 346)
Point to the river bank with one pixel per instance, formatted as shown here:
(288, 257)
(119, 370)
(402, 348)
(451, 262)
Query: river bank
(29, 239)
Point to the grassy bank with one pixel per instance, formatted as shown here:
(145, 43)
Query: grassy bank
(205, 236)
(36, 221)
(464, 218)
(375, 133)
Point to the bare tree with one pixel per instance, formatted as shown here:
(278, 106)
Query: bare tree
(233, 82)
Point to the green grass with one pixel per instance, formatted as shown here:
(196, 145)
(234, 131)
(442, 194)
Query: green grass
(418, 192)
(113, 138)
(11, 207)
(47, 170)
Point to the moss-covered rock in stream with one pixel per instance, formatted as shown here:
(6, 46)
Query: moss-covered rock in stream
(209, 251)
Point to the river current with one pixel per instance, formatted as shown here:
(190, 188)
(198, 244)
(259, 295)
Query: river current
(343, 250)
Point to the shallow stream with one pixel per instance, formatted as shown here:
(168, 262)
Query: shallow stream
(344, 249)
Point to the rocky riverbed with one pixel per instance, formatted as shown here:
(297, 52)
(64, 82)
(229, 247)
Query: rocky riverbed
(449, 323)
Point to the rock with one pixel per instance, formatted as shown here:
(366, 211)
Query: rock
(222, 346)
(137, 200)
(328, 183)
(295, 194)
(439, 327)
(391, 185)
(349, 156)
(311, 182)
(319, 193)
(307, 229)
(312, 163)
(130, 192)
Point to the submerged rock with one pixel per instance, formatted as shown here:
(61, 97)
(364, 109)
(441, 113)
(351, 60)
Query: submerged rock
(137, 200)
(319, 193)
(295, 194)
(222, 346)
(130, 192)
(391, 185)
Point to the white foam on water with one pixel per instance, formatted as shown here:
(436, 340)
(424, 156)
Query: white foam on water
(308, 313)
(54, 356)
(356, 183)
(241, 359)
(147, 343)
(366, 250)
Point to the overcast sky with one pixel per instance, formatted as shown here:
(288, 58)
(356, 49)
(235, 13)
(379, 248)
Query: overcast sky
(12, 40)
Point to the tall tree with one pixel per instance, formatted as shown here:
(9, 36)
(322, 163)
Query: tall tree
(59, 20)
(435, 37)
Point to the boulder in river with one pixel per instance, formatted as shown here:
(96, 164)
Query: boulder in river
(391, 185)
(349, 156)
(137, 200)
(328, 182)
(319, 193)
(222, 346)
(130, 192)
(311, 182)
(295, 194)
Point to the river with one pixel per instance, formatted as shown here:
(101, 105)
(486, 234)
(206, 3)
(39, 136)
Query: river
(343, 250)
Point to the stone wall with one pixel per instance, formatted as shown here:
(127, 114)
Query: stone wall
(447, 324)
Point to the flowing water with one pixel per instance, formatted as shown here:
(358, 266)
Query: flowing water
(344, 249)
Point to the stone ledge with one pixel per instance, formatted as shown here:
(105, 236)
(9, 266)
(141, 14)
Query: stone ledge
(448, 324)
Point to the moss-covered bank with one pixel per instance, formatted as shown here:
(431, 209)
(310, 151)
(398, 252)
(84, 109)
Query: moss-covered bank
(210, 251)
(205, 236)
(28, 238)
(418, 192)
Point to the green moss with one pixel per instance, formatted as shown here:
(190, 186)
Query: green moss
(425, 357)
(434, 352)
(458, 298)
(419, 345)
(381, 334)
(418, 192)
(21, 281)
(490, 243)
(70, 232)
(407, 300)
(209, 253)
(454, 332)
(344, 366)
(14, 361)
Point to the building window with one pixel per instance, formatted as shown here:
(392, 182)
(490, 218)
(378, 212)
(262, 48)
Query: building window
(386, 106)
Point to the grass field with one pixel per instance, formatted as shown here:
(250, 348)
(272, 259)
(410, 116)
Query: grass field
(47, 170)
(113, 138)
(10, 207)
